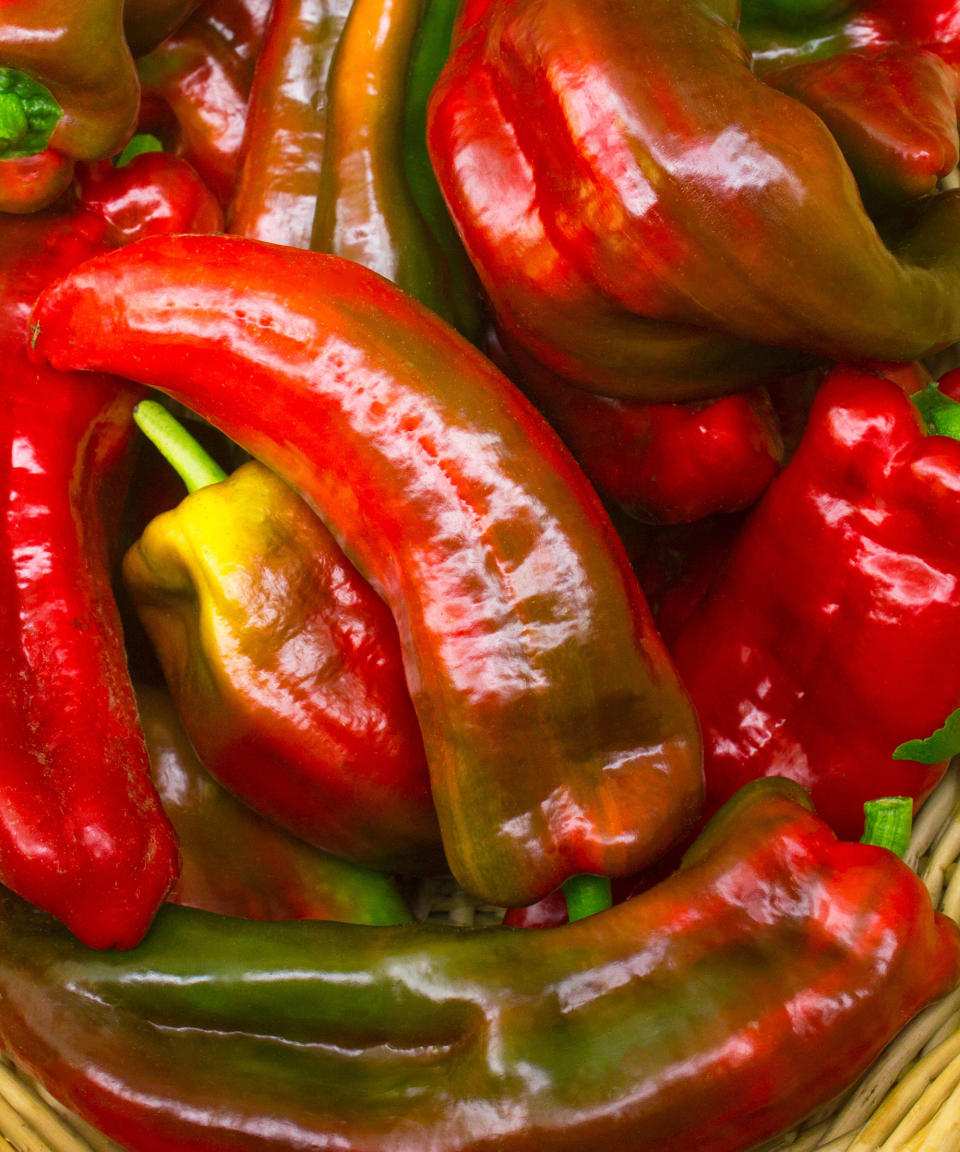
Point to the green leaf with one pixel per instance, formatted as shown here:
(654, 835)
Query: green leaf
(940, 745)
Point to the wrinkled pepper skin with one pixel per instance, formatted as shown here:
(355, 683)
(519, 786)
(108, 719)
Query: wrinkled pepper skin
(82, 833)
(76, 50)
(234, 862)
(286, 669)
(829, 636)
(280, 175)
(558, 737)
(666, 254)
(704, 1015)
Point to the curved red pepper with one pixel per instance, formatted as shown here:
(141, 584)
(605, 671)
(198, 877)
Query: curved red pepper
(558, 737)
(82, 833)
(830, 635)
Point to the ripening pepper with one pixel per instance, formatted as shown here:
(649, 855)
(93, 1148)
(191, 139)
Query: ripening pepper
(558, 737)
(286, 670)
(829, 636)
(68, 91)
(275, 198)
(366, 209)
(82, 833)
(235, 862)
(705, 239)
(704, 1015)
(147, 22)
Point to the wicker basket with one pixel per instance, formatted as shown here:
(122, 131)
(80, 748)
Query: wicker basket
(908, 1101)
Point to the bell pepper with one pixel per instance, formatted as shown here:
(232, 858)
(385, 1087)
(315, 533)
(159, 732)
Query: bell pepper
(713, 1011)
(202, 75)
(236, 863)
(82, 833)
(366, 210)
(558, 737)
(276, 194)
(665, 463)
(68, 91)
(706, 238)
(893, 113)
(147, 22)
(828, 638)
(284, 664)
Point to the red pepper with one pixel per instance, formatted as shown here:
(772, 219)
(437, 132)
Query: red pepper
(558, 737)
(830, 635)
(82, 833)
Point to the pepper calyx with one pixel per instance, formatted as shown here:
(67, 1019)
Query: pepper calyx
(28, 114)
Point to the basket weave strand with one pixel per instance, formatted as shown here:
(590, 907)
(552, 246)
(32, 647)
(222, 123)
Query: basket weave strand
(907, 1101)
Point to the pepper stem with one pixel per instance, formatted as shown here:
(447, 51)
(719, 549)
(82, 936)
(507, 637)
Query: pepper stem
(940, 413)
(13, 120)
(28, 114)
(195, 467)
(888, 823)
(586, 895)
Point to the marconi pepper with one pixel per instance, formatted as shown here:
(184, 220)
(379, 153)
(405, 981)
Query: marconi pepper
(284, 664)
(235, 862)
(828, 637)
(558, 737)
(68, 91)
(666, 253)
(704, 1015)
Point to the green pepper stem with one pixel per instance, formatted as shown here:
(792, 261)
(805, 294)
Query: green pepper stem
(28, 114)
(586, 895)
(195, 467)
(13, 119)
(940, 413)
(137, 146)
(888, 823)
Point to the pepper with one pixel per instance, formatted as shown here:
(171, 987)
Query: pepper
(828, 637)
(276, 194)
(558, 737)
(238, 864)
(148, 22)
(665, 253)
(666, 463)
(284, 664)
(704, 1015)
(366, 210)
(82, 833)
(202, 75)
(68, 91)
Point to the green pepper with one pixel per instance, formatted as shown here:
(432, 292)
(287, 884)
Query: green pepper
(704, 1015)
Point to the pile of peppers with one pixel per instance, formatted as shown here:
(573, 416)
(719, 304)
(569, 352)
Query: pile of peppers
(509, 445)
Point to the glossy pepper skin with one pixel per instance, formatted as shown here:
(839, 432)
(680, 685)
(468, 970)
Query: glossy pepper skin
(645, 255)
(75, 50)
(827, 638)
(286, 669)
(147, 22)
(558, 737)
(366, 210)
(235, 862)
(82, 833)
(704, 1015)
(280, 175)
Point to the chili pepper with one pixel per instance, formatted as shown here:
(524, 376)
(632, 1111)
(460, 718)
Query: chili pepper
(827, 638)
(665, 463)
(893, 113)
(366, 211)
(147, 22)
(202, 75)
(153, 193)
(82, 833)
(665, 253)
(238, 864)
(68, 91)
(284, 664)
(706, 1014)
(276, 194)
(558, 737)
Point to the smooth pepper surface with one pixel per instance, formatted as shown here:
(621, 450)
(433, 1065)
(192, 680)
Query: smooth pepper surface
(712, 1011)
(558, 737)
